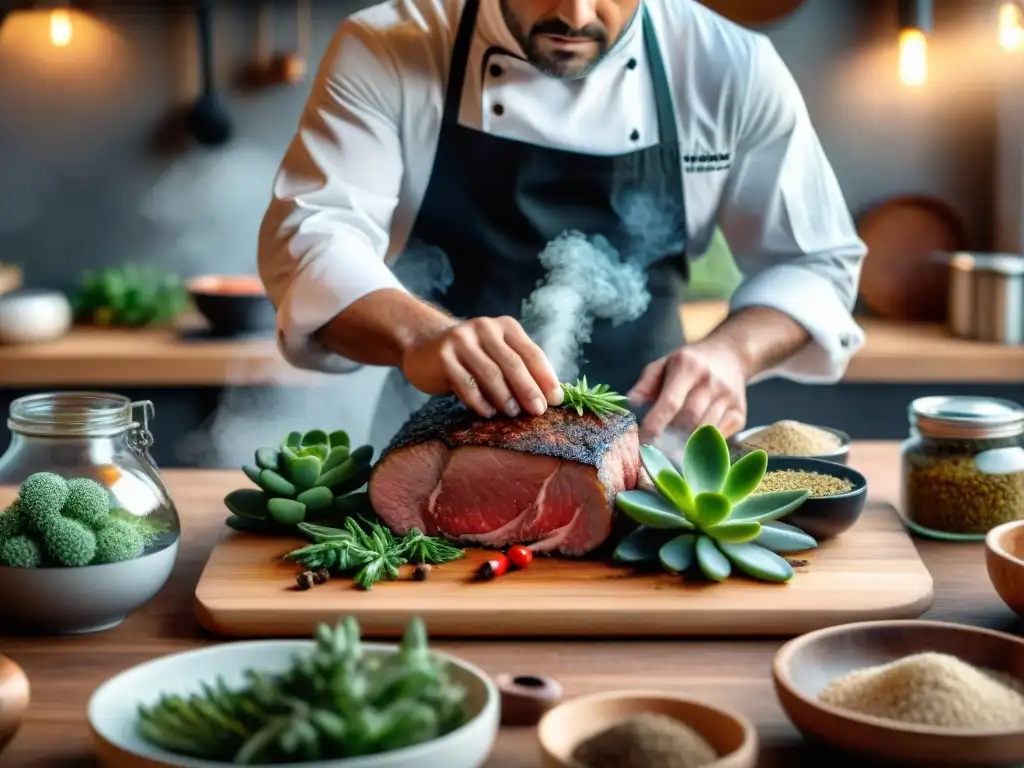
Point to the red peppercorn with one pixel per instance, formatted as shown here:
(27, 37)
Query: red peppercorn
(520, 556)
(494, 567)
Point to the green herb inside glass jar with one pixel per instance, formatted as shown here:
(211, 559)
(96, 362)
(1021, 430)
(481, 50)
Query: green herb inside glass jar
(963, 466)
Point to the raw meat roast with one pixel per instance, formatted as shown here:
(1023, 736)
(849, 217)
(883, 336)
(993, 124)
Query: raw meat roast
(548, 481)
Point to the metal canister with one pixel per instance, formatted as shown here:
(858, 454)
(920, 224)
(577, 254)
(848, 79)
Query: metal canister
(986, 297)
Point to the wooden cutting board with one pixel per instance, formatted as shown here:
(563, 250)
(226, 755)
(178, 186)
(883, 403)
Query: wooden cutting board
(871, 572)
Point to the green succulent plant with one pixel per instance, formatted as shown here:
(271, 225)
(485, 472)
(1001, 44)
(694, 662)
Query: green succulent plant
(704, 514)
(309, 477)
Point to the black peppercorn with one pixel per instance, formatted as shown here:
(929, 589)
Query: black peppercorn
(320, 575)
(306, 579)
(422, 572)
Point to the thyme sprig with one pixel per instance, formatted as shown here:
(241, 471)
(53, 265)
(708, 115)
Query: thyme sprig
(373, 553)
(599, 399)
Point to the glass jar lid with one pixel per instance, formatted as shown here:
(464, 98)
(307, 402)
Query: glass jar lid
(966, 417)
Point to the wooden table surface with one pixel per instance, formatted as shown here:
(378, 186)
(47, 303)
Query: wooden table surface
(89, 357)
(64, 671)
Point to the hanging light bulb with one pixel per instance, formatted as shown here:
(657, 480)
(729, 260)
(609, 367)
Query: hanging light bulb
(915, 24)
(60, 27)
(1011, 26)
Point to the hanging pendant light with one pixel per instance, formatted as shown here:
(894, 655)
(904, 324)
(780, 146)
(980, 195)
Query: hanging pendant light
(1011, 25)
(61, 27)
(915, 19)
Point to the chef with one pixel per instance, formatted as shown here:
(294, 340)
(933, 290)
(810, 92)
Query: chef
(482, 129)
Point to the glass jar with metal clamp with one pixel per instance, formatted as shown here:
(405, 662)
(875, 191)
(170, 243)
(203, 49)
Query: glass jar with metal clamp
(71, 437)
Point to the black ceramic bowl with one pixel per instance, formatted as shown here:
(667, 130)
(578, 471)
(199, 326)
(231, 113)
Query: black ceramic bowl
(233, 305)
(824, 517)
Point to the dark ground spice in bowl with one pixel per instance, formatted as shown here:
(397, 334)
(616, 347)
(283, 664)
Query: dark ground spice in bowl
(646, 740)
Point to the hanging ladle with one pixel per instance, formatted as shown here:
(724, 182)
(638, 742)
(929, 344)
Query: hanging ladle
(208, 121)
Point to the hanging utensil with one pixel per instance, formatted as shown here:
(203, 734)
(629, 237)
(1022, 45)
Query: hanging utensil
(208, 121)
(290, 68)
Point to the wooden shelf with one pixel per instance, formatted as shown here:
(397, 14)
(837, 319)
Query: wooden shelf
(894, 352)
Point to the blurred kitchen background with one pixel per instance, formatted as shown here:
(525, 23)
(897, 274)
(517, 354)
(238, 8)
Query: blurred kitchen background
(100, 176)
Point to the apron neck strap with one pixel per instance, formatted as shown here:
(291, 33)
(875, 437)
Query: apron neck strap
(662, 91)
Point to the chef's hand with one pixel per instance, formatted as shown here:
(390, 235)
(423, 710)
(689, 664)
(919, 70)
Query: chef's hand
(490, 363)
(693, 386)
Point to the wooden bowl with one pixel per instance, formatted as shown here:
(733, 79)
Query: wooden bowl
(805, 665)
(564, 727)
(14, 698)
(825, 517)
(1004, 558)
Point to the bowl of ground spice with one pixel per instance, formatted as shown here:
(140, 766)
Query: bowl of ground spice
(794, 438)
(645, 729)
(838, 493)
(922, 692)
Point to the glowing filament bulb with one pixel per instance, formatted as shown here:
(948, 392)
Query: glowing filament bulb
(60, 28)
(1011, 27)
(913, 57)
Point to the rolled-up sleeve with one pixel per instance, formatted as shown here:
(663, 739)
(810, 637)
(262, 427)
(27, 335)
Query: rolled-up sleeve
(788, 225)
(326, 231)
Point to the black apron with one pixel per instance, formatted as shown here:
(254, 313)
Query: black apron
(493, 204)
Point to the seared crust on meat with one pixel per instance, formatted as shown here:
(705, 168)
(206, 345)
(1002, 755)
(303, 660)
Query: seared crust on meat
(559, 433)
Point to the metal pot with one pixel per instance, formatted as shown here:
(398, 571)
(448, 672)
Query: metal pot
(986, 296)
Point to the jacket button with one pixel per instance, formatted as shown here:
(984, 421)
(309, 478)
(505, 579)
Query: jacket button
(631, 63)
(635, 135)
(498, 110)
(496, 71)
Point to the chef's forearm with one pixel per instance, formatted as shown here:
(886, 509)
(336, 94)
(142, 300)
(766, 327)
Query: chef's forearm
(762, 337)
(377, 328)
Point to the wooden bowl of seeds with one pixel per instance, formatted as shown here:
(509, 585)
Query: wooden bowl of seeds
(921, 693)
(838, 493)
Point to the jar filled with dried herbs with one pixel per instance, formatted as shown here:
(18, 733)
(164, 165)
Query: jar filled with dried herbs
(963, 466)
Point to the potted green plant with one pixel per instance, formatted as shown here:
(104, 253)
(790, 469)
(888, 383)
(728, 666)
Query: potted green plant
(706, 513)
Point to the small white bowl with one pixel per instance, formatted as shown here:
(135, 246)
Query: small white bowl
(91, 598)
(34, 317)
(113, 708)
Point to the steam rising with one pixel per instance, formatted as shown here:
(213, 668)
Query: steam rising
(287, 400)
(586, 279)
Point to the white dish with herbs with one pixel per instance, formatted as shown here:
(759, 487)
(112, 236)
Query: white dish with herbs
(400, 706)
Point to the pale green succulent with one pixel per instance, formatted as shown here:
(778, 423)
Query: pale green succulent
(308, 477)
(705, 514)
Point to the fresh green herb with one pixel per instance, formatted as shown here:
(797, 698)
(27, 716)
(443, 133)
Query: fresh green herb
(372, 552)
(336, 702)
(308, 477)
(418, 548)
(598, 399)
(706, 515)
(130, 295)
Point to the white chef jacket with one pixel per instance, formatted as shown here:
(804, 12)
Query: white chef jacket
(353, 178)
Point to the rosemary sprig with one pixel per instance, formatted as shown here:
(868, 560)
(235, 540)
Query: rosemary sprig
(599, 399)
(373, 553)
(418, 548)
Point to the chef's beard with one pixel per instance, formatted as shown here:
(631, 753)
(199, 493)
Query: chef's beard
(561, 64)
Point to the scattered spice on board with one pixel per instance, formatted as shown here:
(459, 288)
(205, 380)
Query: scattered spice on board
(421, 572)
(321, 576)
(646, 740)
(797, 563)
(796, 480)
(933, 689)
(305, 580)
(793, 438)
